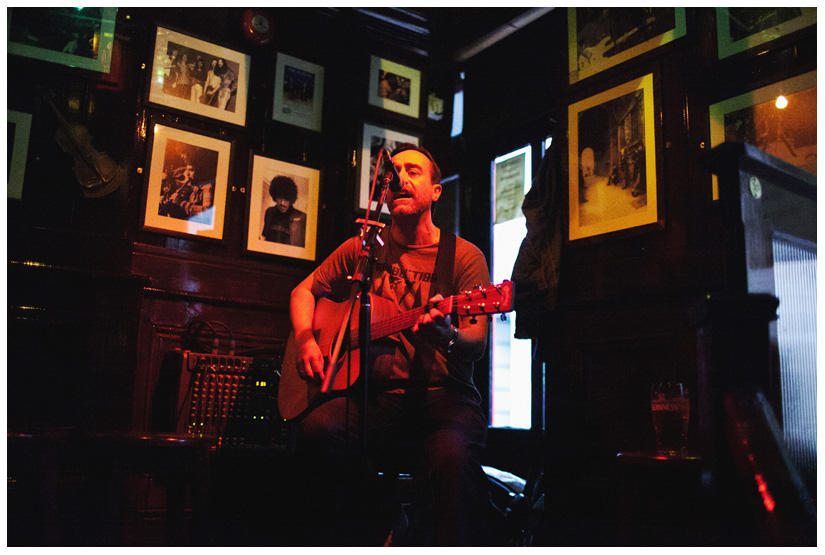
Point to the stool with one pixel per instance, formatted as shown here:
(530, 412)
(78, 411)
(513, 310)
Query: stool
(179, 464)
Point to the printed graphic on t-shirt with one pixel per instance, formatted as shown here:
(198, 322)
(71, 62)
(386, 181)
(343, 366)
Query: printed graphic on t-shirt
(408, 288)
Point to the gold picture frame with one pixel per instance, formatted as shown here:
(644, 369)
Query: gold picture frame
(198, 77)
(297, 237)
(612, 156)
(187, 184)
(373, 139)
(395, 87)
(599, 39)
(740, 29)
(19, 129)
(75, 37)
(788, 132)
(299, 93)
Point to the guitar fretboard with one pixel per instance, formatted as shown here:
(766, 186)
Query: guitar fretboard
(482, 301)
(399, 322)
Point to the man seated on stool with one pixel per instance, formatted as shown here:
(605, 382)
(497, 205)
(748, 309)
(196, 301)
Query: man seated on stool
(421, 380)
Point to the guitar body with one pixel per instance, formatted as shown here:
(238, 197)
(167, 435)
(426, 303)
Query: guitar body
(295, 395)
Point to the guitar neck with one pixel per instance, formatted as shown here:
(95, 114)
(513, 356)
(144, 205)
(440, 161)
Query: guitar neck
(403, 320)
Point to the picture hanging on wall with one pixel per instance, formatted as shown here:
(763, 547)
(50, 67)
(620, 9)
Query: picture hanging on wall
(612, 158)
(374, 138)
(19, 127)
(75, 37)
(740, 29)
(299, 93)
(187, 184)
(199, 77)
(779, 119)
(394, 87)
(600, 38)
(283, 208)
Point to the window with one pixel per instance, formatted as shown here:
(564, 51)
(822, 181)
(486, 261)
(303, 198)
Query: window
(458, 108)
(511, 389)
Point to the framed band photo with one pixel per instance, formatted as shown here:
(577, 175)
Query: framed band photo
(779, 119)
(19, 128)
(75, 37)
(740, 29)
(283, 208)
(394, 87)
(600, 38)
(199, 77)
(612, 159)
(373, 139)
(187, 184)
(299, 93)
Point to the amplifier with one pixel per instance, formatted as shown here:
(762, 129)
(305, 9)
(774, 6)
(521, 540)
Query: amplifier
(234, 400)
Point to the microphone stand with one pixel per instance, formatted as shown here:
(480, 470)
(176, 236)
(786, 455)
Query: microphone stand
(360, 289)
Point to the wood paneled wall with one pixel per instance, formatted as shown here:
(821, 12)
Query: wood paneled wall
(155, 284)
(516, 93)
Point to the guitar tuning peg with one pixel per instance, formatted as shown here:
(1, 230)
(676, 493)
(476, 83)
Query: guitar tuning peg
(503, 317)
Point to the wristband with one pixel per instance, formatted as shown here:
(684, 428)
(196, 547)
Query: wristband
(453, 339)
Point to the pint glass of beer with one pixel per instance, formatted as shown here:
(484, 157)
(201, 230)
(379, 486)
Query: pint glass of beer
(670, 404)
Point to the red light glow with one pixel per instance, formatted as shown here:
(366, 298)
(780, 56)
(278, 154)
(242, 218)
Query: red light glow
(767, 498)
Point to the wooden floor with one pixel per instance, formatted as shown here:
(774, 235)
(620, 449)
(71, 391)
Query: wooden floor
(62, 495)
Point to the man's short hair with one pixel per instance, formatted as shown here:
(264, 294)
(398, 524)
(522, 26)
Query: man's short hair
(283, 187)
(435, 175)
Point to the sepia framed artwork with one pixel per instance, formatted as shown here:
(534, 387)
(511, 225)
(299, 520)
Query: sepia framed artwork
(18, 126)
(187, 185)
(612, 155)
(75, 37)
(779, 119)
(394, 87)
(299, 93)
(740, 29)
(373, 139)
(600, 38)
(199, 77)
(282, 217)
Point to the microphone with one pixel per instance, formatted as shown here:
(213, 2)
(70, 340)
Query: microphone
(391, 177)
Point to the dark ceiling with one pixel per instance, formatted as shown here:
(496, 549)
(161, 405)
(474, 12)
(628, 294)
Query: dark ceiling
(457, 33)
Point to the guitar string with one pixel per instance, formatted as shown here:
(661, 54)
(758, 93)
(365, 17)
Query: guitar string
(406, 319)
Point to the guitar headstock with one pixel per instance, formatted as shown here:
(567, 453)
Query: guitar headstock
(494, 299)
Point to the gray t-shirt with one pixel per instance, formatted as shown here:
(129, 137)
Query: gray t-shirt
(402, 279)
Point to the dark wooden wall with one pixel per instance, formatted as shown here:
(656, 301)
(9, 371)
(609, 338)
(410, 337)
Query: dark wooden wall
(626, 301)
(155, 284)
(621, 314)
(96, 301)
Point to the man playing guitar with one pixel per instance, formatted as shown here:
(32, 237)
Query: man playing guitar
(421, 378)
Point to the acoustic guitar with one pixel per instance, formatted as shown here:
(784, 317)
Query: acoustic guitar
(296, 396)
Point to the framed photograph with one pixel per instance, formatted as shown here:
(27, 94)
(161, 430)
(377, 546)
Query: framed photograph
(612, 156)
(779, 119)
(199, 77)
(283, 208)
(740, 29)
(394, 87)
(600, 38)
(18, 126)
(373, 139)
(187, 183)
(299, 93)
(75, 37)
